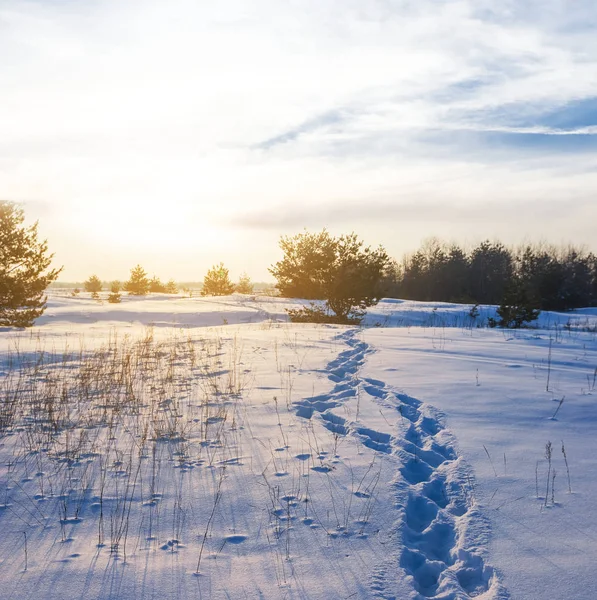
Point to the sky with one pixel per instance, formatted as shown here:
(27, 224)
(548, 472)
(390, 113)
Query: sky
(180, 134)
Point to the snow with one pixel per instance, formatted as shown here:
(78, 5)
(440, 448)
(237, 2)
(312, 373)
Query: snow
(176, 447)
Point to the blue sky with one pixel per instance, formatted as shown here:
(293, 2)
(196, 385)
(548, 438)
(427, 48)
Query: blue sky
(182, 134)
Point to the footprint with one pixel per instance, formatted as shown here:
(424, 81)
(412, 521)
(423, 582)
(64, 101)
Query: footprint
(304, 411)
(414, 436)
(429, 456)
(435, 490)
(374, 382)
(429, 425)
(446, 451)
(474, 576)
(334, 423)
(435, 542)
(409, 412)
(408, 400)
(424, 572)
(420, 512)
(416, 471)
(375, 440)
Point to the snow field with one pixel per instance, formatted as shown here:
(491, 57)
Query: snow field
(179, 464)
(196, 447)
(490, 389)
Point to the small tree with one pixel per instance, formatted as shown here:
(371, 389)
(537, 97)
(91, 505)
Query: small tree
(24, 274)
(342, 271)
(93, 284)
(517, 309)
(171, 287)
(244, 285)
(138, 284)
(217, 282)
(156, 286)
(114, 295)
(358, 278)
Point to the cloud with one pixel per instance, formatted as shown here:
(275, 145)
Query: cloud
(233, 111)
(285, 218)
(325, 120)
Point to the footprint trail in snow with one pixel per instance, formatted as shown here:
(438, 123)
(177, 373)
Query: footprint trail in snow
(442, 533)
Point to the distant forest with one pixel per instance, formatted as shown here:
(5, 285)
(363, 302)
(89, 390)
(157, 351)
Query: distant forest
(547, 277)
(550, 277)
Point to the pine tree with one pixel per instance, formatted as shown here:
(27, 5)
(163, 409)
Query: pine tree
(156, 286)
(171, 287)
(307, 265)
(342, 271)
(138, 284)
(24, 261)
(517, 308)
(93, 284)
(244, 285)
(217, 282)
(491, 269)
(114, 295)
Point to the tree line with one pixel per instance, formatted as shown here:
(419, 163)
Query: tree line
(342, 272)
(349, 277)
(551, 277)
(216, 282)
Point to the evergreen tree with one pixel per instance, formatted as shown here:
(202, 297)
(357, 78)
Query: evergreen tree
(307, 265)
(392, 279)
(171, 287)
(517, 308)
(436, 279)
(156, 286)
(244, 285)
(414, 273)
(540, 269)
(217, 282)
(138, 284)
(114, 295)
(24, 264)
(578, 279)
(93, 284)
(341, 271)
(456, 276)
(593, 261)
(491, 268)
(555, 278)
(357, 278)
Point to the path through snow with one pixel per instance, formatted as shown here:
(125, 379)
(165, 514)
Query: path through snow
(441, 531)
